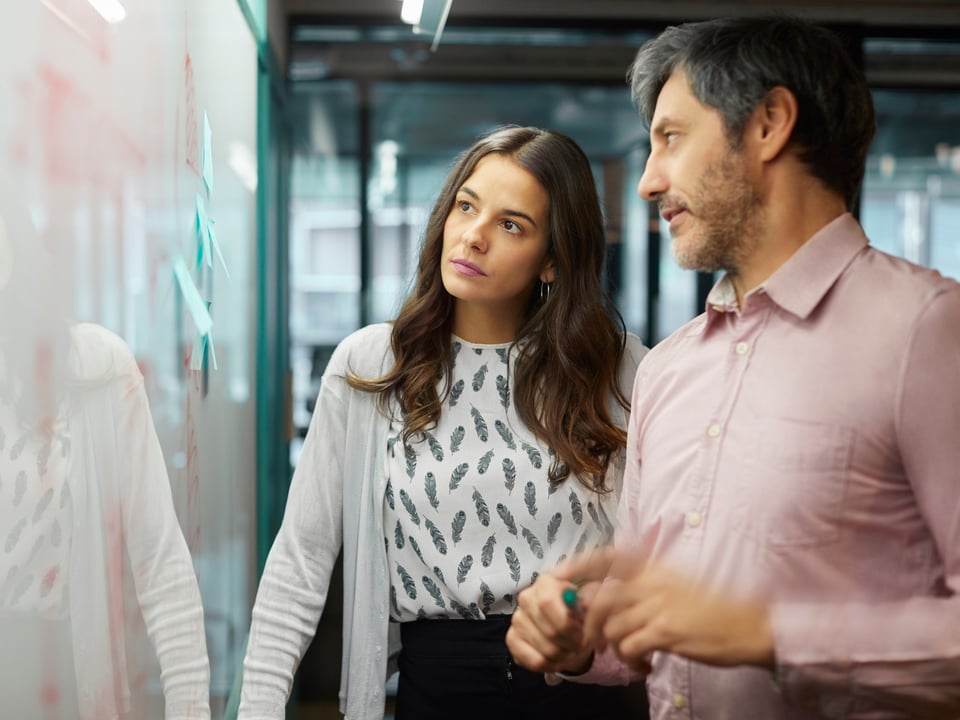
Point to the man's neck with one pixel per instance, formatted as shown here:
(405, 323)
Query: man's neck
(790, 219)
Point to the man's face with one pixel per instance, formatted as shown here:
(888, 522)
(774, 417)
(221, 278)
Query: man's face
(701, 184)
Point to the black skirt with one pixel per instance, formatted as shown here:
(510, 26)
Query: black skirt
(461, 670)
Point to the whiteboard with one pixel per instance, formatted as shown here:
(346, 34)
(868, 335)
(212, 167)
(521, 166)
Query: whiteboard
(107, 131)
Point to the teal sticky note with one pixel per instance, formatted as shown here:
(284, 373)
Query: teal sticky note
(207, 157)
(202, 229)
(216, 247)
(195, 303)
(208, 338)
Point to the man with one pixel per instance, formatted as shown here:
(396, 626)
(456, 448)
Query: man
(789, 528)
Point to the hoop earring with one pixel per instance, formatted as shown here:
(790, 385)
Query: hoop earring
(544, 291)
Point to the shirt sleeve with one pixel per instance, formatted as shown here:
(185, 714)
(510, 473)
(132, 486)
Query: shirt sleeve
(165, 582)
(903, 655)
(296, 578)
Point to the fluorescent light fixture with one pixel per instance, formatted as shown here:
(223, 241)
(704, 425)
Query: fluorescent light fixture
(427, 17)
(411, 11)
(110, 10)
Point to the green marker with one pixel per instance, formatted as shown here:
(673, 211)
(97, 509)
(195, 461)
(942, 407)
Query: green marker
(570, 597)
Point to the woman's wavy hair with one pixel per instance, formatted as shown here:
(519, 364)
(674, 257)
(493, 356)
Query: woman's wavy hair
(571, 342)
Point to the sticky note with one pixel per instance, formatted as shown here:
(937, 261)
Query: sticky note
(195, 303)
(207, 158)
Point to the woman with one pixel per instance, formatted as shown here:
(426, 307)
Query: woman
(89, 538)
(459, 451)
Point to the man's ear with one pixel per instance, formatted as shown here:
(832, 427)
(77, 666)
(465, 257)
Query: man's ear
(771, 125)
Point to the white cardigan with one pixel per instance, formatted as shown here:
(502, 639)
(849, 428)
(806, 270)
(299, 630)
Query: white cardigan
(122, 502)
(336, 498)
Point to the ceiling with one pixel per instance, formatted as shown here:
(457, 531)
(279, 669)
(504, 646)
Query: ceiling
(559, 51)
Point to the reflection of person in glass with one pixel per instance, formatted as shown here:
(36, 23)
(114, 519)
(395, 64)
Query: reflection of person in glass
(83, 491)
(459, 451)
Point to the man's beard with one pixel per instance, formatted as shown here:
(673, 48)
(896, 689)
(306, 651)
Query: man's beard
(726, 208)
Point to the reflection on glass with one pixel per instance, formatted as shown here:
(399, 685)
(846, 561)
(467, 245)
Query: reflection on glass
(911, 193)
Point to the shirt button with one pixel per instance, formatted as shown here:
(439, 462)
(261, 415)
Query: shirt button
(694, 519)
(679, 701)
(742, 348)
(714, 430)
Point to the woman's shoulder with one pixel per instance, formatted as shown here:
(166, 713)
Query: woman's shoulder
(364, 352)
(633, 352)
(98, 355)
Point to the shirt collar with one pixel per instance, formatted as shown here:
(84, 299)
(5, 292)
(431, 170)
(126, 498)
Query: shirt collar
(803, 280)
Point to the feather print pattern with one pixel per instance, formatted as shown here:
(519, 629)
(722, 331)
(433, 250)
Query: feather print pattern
(398, 536)
(456, 437)
(411, 457)
(455, 392)
(503, 390)
(593, 514)
(435, 447)
(430, 489)
(478, 377)
(439, 573)
(530, 498)
(534, 454)
(502, 352)
(487, 598)
(513, 562)
(457, 476)
(552, 527)
(479, 424)
(581, 543)
(576, 510)
(486, 555)
(411, 508)
(388, 494)
(505, 433)
(393, 601)
(434, 591)
(484, 462)
(456, 527)
(535, 547)
(409, 586)
(483, 512)
(416, 547)
(507, 518)
(438, 542)
(509, 474)
(463, 569)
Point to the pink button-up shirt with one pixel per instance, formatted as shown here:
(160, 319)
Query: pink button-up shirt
(805, 449)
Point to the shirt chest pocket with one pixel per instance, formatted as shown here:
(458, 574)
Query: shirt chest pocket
(793, 491)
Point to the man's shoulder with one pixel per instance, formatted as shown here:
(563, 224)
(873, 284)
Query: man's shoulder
(903, 279)
(680, 339)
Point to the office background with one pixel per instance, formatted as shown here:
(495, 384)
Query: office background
(268, 165)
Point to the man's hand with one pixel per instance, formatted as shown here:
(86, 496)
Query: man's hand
(643, 608)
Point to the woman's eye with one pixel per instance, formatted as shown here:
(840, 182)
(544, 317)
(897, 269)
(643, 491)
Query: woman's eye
(464, 205)
(511, 226)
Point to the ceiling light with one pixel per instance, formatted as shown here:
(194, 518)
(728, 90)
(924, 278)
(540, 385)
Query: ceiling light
(411, 11)
(110, 10)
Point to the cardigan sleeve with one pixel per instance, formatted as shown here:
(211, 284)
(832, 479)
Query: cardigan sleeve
(293, 589)
(131, 512)
(165, 582)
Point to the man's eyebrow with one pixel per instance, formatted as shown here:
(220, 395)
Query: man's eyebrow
(659, 128)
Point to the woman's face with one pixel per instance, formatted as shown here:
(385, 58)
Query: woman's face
(495, 244)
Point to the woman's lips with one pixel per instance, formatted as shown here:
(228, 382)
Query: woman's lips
(465, 267)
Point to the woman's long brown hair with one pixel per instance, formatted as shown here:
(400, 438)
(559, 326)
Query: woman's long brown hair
(570, 344)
